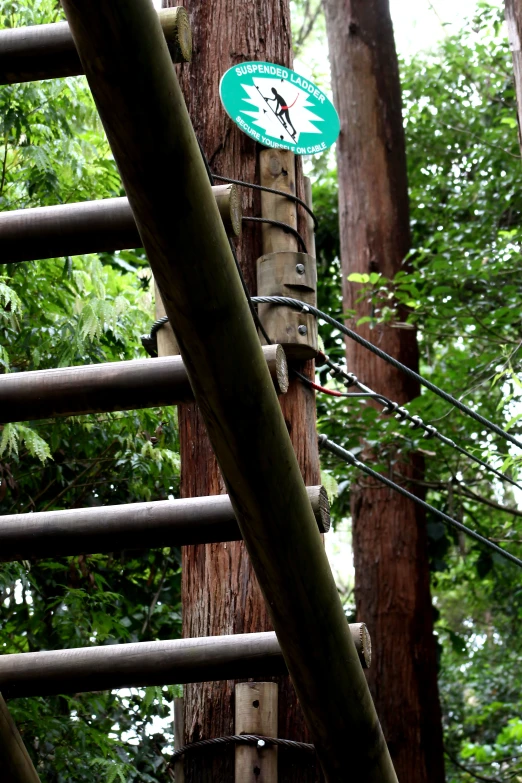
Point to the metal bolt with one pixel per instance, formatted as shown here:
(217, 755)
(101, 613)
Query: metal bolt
(300, 269)
(302, 329)
(261, 743)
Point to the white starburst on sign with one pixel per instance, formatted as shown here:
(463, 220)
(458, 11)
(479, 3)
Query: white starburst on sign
(299, 118)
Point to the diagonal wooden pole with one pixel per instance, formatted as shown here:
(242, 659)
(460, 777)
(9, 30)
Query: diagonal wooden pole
(15, 763)
(128, 67)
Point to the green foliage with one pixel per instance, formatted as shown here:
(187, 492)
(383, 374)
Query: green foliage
(56, 313)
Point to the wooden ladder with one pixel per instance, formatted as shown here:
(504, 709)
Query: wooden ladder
(126, 51)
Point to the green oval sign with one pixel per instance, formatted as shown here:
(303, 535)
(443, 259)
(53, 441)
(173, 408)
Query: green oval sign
(279, 108)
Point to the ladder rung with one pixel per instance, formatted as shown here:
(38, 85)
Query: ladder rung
(202, 520)
(178, 661)
(114, 386)
(47, 51)
(140, 664)
(88, 227)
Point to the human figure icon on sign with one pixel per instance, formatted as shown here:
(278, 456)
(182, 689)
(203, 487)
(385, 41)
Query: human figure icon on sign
(282, 110)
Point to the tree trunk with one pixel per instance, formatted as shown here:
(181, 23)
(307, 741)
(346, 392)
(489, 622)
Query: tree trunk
(392, 582)
(513, 11)
(220, 594)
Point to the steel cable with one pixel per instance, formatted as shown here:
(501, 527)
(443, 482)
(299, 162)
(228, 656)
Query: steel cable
(402, 415)
(306, 308)
(289, 196)
(351, 459)
(242, 739)
(279, 224)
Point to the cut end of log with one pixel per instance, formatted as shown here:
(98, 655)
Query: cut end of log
(320, 506)
(363, 643)
(178, 33)
(277, 366)
(236, 212)
(229, 205)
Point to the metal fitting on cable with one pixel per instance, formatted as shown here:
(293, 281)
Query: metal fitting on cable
(416, 422)
(335, 370)
(389, 408)
(349, 379)
(401, 414)
(430, 431)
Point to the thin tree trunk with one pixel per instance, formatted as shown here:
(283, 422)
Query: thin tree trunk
(220, 594)
(389, 533)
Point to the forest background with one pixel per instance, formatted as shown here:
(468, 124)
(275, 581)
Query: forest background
(464, 295)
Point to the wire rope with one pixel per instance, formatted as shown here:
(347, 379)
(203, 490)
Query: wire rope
(402, 415)
(297, 304)
(351, 459)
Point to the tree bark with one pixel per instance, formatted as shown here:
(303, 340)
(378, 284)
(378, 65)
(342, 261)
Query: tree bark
(392, 581)
(513, 12)
(220, 594)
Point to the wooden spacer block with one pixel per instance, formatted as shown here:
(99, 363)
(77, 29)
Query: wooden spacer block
(292, 274)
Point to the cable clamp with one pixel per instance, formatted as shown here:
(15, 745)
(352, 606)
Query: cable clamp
(150, 343)
(390, 408)
(401, 414)
(416, 422)
(349, 379)
(430, 431)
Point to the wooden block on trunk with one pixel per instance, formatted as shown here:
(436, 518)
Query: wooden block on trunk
(292, 274)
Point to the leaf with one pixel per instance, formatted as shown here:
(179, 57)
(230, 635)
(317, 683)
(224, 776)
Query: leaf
(330, 484)
(36, 446)
(355, 277)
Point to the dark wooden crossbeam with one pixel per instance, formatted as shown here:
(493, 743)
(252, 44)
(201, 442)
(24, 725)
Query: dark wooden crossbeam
(114, 386)
(136, 665)
(47, 51)
(203, 520)
(88, 227)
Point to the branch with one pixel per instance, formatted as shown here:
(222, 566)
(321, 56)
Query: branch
(78, 477)
(473, 496)
(155, 598)
(469, 771)
(461, 490)
(4, 163)
(309, 21)
(486, 143)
